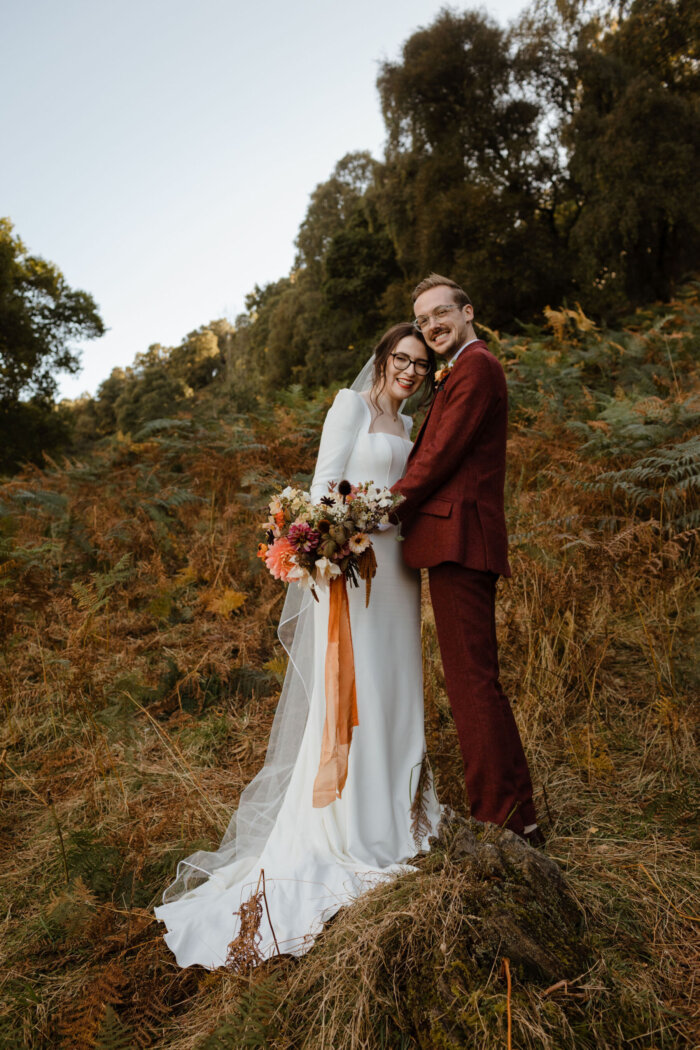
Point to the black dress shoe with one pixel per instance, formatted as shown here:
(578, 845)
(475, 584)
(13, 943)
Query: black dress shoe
(534, 838)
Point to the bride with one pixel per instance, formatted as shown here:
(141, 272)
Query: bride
(315, 860)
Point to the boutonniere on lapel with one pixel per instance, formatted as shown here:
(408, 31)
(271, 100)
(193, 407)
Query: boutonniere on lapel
(442, 374)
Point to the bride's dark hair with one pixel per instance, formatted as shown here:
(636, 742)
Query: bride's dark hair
(386, 346)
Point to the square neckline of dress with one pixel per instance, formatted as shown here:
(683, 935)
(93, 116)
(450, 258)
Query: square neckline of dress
(383, 433)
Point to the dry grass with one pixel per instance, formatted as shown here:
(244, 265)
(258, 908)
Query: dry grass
(138, 691)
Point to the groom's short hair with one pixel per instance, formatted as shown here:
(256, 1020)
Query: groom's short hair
(436, 280)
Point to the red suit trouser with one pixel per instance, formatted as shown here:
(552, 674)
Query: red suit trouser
(495, 767)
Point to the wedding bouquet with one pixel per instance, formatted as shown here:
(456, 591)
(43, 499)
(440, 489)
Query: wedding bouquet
(313, 543)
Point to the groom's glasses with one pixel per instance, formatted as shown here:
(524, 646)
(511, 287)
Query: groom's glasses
(402, 361)
(423, 320)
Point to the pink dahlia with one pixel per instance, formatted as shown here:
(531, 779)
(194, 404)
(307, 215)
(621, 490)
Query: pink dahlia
(303, 537)
(280, 558)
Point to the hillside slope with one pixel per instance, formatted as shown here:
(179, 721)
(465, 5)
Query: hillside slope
(139, 675)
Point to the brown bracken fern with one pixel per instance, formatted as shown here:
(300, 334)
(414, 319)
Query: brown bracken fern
(420, 823)
(243, 953)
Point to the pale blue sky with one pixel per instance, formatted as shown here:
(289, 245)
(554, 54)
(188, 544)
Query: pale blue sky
(162, 153)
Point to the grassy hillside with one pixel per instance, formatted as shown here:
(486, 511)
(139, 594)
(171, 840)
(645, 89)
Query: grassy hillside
(139, 675)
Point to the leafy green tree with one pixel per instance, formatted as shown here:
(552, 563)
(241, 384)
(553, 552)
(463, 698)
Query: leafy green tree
(276, 337)
(359, 264)
(332, 206)
(634, 141)
(41, 319)
(150, 390)
(160, 383)
(101, 410)
(243, 380)
(198, 359)
(313, 327)
(466, 188)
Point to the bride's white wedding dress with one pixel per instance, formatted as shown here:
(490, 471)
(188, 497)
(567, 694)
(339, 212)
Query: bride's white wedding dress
(317, 860)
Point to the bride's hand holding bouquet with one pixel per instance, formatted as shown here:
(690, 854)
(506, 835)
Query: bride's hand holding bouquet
(313, 543)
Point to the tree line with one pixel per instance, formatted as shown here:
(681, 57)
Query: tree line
(548, 163)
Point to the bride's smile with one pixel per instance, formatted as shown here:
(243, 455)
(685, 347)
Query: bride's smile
(405, 371)
(406, 367)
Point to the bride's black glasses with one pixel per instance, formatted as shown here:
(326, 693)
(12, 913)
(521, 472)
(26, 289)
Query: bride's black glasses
(402, 361)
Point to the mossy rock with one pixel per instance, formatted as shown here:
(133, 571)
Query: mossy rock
(520, 905)
(516, 905)
(416, 961)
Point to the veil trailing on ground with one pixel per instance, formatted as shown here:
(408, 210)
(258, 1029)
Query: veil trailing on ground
(260, 802)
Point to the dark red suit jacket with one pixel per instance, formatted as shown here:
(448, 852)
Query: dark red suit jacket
(453, 485)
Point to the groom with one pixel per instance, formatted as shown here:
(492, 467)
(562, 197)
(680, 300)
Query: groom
(454, 525)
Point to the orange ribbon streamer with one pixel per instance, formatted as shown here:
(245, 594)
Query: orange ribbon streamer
(341, 700)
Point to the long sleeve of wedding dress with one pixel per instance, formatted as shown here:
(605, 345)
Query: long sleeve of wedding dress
(340, 429)
(316, 860)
